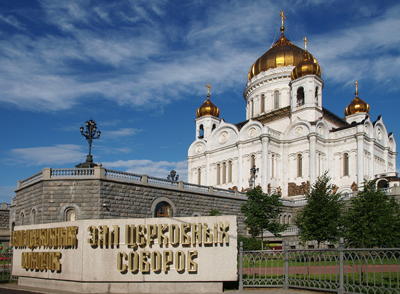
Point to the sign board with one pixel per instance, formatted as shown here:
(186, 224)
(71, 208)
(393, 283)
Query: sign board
(129, 250)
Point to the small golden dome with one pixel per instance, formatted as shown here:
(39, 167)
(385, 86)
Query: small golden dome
(308, 66)
(208, 108)
(357, 105)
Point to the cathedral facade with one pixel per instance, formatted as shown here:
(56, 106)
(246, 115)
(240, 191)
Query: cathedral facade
(289, 138)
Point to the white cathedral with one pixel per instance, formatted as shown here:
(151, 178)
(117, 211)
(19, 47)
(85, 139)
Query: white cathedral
(289, 138)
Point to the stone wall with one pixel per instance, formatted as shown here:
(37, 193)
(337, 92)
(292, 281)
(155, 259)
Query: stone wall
(4, 216)
(107, 199)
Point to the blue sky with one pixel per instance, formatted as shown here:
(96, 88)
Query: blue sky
(139, 69)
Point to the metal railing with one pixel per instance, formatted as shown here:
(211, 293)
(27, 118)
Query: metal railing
(123, 176)
(71, 172)
(162, 182)
(6, 268)
(340, 270)
(31, 179)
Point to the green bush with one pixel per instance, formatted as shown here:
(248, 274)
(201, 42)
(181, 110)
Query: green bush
(249, 243)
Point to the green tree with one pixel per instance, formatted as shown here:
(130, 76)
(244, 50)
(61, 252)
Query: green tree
(261, 212)
(372, 219)
(320, 218)
(215, 212)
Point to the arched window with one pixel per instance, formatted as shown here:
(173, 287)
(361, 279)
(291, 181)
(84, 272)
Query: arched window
(273, 166)
(345, 164)
(70, 215)
(229, 171)
(163, 209)
(252, 108)
(262, 102)
(299, 166)
(201, 132)
(213, 127)
(33, 216)
(22, 218)
(276, 99)
(224, 173)
(316, 95)
(252, 161)
(300, 96)
(199, 176)
(218, 174)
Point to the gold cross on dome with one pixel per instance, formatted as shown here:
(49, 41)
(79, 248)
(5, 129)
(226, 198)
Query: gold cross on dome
(282, 16)
(305, 43)
(356, 86)
(208, 88)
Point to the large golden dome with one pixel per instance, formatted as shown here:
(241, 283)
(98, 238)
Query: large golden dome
(307, 66)
(357, 105)
(208, 108)
(283, 53)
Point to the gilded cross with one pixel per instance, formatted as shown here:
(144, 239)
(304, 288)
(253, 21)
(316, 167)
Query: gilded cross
(305, 43)
(282, 16)
(208, 88)
(356, 86)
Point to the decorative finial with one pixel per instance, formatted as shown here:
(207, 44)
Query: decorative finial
(356, 83)
(208, 90)
(282, 17)
(305, 43)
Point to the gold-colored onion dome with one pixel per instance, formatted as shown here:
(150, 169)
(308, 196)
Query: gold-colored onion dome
(208, 108)
(308, 66)
(355, 106)
(283, 53)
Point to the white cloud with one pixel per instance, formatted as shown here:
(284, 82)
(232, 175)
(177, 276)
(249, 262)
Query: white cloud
(158, 169)
(13, 21)
(6, 193)
(124, 132)
(59, 154)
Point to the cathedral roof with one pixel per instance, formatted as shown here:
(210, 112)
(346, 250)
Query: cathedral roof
(357, 105)
(307, 66)
(208, 108)
(282, 53)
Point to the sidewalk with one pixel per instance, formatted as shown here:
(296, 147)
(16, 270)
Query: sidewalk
(15, 289)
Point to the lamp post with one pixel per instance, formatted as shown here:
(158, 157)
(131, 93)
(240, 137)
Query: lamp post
(172, 176)
(90, 134)
(253, 175)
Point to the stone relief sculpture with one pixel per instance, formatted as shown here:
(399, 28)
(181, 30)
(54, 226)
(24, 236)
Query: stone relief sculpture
(302, 189)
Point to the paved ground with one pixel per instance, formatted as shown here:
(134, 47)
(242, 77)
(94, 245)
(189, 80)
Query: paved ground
(15, 289)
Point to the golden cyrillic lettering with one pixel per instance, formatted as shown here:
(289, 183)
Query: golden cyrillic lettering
(185, 238)
(196, 234)
(133, 261)
(121, 256)
(156, 261)
(174, 234)
(191, 265)
(151, 234)
(103, 236)
(140, 235)
(162, 239)
(168, 258)
(208, 237)
(93, 233)
(180, 261)
(223, 233)
(144, 264)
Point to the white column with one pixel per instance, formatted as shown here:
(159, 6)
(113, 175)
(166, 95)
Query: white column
(208, 169)
(264, 163)
(313, 155)
(360, 159)
(240, 166)
(189, 170)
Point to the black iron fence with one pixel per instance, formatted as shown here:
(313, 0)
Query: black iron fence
(338, 270)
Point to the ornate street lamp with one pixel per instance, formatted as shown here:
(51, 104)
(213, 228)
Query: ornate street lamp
(172, 176)
(90, 135)
(253, 176)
